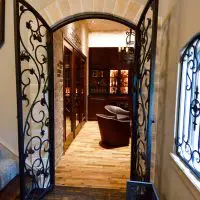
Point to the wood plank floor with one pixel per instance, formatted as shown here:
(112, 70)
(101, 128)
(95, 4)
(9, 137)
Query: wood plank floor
(87, 164)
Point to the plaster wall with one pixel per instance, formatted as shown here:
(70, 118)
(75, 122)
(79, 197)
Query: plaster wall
(107, 39)
(8, 105)
(177, 29)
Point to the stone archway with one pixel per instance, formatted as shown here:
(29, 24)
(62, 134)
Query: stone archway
(92, 15)
(56, 10)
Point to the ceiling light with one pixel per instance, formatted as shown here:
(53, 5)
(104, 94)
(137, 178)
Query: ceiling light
(127, 53)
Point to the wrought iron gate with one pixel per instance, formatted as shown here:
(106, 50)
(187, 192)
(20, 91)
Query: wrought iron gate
(34, 74)
(143, 82)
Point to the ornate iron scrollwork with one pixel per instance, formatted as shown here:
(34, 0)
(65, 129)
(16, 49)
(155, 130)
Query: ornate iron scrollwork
(188, 131)
(143, 89)
(33, 72)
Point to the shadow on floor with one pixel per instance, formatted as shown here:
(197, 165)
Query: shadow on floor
(75, 193)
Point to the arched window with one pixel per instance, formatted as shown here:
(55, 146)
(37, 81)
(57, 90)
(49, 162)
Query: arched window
(188, 110)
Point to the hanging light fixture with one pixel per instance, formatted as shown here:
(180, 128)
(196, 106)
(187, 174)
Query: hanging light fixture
(127, 53)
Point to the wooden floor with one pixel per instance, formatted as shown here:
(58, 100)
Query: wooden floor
(87, 164)
(12, 190)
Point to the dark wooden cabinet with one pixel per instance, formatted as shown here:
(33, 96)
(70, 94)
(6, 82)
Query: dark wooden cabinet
(98, 57)
(80, 88)
(109, 81)
(67, 91)
(95, 105)
(74, 91)
(106, 58)
(113, 58)
(98, 82)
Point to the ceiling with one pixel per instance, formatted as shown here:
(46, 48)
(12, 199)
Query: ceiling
(99, 25)
(41, 4)
(55, 10)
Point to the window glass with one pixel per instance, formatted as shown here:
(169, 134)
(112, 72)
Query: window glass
(188, 112)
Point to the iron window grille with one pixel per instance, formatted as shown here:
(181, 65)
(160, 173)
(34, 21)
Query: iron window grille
(188, 112)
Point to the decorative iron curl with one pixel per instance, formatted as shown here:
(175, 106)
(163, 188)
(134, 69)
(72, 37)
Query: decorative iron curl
(35, 88)
(145, 41)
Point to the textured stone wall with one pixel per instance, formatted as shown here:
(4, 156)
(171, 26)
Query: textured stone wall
(156, 108)
(73, 32)
(161, 87)
(58, 94)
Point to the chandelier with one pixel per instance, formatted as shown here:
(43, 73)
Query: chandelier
(127, 54)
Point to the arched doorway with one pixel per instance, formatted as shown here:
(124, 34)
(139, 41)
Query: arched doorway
(35, 95)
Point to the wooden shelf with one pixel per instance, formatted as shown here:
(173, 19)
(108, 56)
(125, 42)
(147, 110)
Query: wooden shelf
(102, 79)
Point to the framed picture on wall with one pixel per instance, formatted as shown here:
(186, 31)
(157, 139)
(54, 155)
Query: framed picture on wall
(2, 21)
